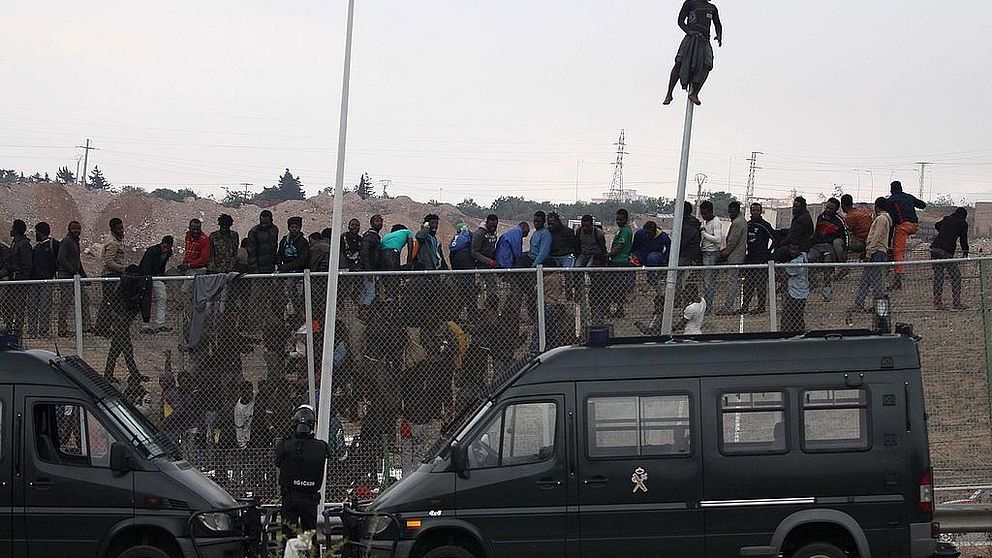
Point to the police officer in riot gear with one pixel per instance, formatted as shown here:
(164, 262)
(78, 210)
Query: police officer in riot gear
(300, 459)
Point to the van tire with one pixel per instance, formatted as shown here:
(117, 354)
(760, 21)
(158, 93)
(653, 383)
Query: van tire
(449, 551)
(819, 550)
(144, 551)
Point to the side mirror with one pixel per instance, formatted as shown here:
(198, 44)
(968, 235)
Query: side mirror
(458, 460)
(119, 460)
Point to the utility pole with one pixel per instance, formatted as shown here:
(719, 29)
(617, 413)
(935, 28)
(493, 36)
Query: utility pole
(616, 187)
(78, 159)
(247, 185)
(86, 160)
(673, 257)
(923, 173)
(750, 177)
(385, 183)
(700, 180)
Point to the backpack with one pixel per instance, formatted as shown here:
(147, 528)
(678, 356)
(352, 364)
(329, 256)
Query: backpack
(461, 241)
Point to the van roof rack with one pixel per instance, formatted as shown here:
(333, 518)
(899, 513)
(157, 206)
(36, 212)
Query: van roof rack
(762, 336)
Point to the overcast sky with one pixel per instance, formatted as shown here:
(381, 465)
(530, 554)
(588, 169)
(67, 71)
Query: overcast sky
(459, 98)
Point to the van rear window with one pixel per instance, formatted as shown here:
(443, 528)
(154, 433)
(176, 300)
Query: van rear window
(633, 426)
(835, 420)
(753, 423)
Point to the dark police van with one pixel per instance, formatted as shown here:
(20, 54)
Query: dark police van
(83, 473)
(709, 446)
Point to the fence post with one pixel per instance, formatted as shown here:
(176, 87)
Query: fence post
(308, 306)
(772, 298)
(77, 299)
(542, 333)
(983, 267)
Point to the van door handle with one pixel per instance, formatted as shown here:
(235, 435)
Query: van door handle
(596, 481)
(41, 484)
(549, 483)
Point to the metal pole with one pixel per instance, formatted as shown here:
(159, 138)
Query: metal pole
(983, 267)
(772, 298)
(86, 162)
(311, 364)
(330, 313)
(542, 332)
(77, 298)
(673, 258)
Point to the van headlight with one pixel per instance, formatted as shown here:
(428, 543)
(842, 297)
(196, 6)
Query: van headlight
(216, 522)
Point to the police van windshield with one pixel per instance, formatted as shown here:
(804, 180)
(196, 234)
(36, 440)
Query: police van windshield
(143, 433)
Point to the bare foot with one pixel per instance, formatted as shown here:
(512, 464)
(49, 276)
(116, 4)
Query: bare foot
(667, 101)
(695, 99)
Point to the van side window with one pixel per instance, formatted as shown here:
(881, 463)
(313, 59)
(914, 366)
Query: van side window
(835, 420)
(523, 433)
(753, 423)
(633, 426)
(67, 434)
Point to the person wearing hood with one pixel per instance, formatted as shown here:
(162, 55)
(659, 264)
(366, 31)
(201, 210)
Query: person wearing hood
(905, 223)
(263, 244)
(294, 249)
(951, 230)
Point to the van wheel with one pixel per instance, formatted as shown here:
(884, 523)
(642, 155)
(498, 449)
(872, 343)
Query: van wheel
(819, 550)
(449, 551)
(144, 551)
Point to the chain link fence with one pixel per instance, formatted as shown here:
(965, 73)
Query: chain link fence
(413, 350)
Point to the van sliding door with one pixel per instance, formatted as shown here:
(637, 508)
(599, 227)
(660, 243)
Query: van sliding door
(6, 471)
(640, 469)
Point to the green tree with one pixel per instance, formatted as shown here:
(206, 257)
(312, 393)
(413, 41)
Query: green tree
(364, 187)
(174, 195)
(97, 181)
(9, 176)
(65, 176)
(720, 202)
(472, 209)
(288, 188)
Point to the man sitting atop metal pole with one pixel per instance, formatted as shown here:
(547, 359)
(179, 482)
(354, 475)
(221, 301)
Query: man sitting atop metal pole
(694, 60)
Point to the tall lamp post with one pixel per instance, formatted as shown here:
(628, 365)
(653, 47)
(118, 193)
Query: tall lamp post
(330, 311)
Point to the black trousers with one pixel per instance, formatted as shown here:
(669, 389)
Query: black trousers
(120, 341)
(299, 510)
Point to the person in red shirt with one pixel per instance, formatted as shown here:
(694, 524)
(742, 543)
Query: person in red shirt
(197, 255)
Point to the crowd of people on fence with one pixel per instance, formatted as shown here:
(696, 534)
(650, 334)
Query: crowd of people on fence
(466, 321)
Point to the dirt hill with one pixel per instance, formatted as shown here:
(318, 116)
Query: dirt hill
(147, 218)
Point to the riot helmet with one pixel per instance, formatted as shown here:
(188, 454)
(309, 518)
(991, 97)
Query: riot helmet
(303, 421)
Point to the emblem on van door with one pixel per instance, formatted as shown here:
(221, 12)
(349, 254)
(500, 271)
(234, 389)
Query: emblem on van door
(639, 478)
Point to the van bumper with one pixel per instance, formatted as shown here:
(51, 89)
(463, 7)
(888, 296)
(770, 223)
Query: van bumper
(232, 547)
(922, 543)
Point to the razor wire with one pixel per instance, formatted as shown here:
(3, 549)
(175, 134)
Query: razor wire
(414, 351)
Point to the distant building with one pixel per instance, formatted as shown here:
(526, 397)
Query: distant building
(628, 196)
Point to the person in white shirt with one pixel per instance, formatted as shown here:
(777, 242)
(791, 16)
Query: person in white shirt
(794, 314)
(694, 312)
(244, 411)
(712, 239)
